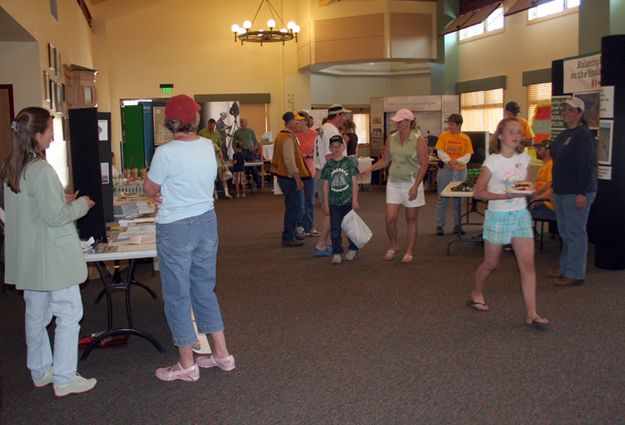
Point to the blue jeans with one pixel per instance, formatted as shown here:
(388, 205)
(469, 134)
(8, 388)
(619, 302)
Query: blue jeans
(337, 212)
(292, 207)
(306, 217)
(445, 176)
(187, 254)
(572, 230)
(250, 156)
(41, 306)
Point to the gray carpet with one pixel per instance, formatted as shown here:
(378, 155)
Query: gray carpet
(368, 342)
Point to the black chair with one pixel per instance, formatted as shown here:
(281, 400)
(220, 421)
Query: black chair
(542, 218)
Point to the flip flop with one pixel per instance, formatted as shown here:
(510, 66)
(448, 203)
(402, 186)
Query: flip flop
(540, 326)
(407, 259)
(477, 306)
(390, 254)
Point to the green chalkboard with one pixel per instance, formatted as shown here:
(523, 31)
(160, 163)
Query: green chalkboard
(132, 126)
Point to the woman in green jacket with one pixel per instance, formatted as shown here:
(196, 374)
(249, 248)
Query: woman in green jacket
(43, 256)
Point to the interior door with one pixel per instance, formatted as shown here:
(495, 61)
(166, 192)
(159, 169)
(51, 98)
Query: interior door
(7, 114)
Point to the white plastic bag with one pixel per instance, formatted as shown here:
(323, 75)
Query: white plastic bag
(356, 229)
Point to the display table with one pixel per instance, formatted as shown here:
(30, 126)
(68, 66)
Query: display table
(102, 254)
(471, 207)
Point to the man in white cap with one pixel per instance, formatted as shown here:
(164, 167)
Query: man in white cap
(322, 154)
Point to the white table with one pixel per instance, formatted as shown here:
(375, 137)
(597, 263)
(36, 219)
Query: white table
(471, 207)
(101, 255)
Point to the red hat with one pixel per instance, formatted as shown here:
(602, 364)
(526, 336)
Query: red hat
(181, 108)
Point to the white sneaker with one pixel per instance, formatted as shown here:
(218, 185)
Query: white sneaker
(351, 255)
(77, 386)
(336, 259)
(44, 380)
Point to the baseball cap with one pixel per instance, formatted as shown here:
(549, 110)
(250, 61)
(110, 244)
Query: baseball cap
(575, 102)
(338, 109)
(181, 108)
(290, 116)
(403, 114)
(336, 139)
(544, 144)
(513, 107)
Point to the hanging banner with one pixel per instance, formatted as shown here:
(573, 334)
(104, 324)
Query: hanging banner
(582, 73)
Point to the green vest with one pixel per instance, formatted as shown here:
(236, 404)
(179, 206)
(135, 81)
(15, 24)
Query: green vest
(405, 163)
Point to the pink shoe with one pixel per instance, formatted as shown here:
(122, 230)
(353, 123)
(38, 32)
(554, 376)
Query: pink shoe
(176, 371)
(226, 363)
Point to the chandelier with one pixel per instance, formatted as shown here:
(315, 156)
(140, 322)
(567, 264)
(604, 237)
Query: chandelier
(272, 34)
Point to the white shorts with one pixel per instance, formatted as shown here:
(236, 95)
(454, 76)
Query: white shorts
(397, 193)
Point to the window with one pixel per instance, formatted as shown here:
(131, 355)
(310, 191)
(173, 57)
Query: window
(492, 23)
(361, 121)
(537, 94)
(481, 110)
(551, 8)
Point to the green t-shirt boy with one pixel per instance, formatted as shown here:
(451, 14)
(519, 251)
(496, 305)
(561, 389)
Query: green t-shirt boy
(339, 175)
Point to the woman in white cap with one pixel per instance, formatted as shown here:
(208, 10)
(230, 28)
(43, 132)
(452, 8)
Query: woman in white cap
(406, 151)
(574, 189)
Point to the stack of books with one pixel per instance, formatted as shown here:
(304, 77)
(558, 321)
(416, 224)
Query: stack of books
(125, 209)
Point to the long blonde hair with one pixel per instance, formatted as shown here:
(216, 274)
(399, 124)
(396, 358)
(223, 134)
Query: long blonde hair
(25, 149)
(494, 145)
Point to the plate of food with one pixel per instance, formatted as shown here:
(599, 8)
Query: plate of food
(522, 187)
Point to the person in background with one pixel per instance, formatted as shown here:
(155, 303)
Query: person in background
(513, 110)
(541, 206)
(43, 256)
(114, 170)
(238, 173)
(245, 138)
(406, 152)
(454, 149)
(306, 138)
(222, 169)
(181, 182)
(336, 118)
(351, 140)
(288, 165)
(574, 190)
(506, 220)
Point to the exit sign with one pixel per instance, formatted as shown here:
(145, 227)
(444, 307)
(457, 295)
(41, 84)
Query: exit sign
(167, 88)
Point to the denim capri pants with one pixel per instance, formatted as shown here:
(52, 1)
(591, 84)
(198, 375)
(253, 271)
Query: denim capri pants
(187, 255)
(500, 227)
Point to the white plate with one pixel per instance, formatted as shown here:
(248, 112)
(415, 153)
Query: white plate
(521, 192)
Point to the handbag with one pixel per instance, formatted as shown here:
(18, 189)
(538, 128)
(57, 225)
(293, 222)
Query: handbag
(227, 174)
(356, 229)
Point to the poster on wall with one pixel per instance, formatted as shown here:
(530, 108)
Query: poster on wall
(606, 108)
(582, 73)
(604, 172)
(591, 107)
(161, 134)
(604, 142)
(557, 125)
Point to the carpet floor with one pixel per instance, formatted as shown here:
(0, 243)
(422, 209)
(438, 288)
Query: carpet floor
(366, 342)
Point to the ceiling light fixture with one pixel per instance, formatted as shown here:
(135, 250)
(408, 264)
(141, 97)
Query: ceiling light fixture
(247, 33)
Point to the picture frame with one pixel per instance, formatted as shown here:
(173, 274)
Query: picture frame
(53, 100)
(57, 63)
(52, 58)
(604, 142)
(46, 87)
(60, 98)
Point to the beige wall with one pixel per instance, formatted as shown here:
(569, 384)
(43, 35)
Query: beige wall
(19, 66)
(520, 47)
(70, 34)
(192, 48)
(327, 89)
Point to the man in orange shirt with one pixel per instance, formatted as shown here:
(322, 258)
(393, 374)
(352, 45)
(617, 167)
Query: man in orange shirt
(513, 110)
(544, 208)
